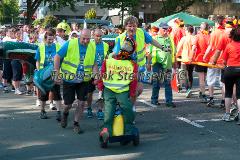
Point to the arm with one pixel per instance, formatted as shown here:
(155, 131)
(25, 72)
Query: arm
(214, 58)
(207, 52)
(149, 58)
(55, 73)
(117, 47)
(60, 55)
(95, 70)
(37, 65)
(156, 44)
(194, 49)
(37, 58)
(57, 62)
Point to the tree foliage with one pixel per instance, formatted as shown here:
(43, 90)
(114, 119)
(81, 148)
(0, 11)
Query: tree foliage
(123, 5)
(48, 21)
(32, 6)
(91, 14)
(173, 6)
(9, 10)
(37, 22)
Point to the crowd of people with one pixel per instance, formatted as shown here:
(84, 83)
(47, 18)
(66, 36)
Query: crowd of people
(212, 52)
(164, 50)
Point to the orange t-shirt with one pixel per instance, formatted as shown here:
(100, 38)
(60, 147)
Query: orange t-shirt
(222, 45)
(201, 43)
(231, 54)
(184, 48)
(214, 41)
(177, 35)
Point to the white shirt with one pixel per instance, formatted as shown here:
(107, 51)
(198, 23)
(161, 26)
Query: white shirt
(25, 37)
(41, 37)
(9, 39)
(60, 40)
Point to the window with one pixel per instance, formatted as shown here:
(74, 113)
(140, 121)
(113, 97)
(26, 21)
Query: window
(235, 1)
(90, 1)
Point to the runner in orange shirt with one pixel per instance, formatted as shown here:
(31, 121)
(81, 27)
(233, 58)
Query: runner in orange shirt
(184, 50)
(213, 74)
(179, 31)
(199, 47)
(231, 57)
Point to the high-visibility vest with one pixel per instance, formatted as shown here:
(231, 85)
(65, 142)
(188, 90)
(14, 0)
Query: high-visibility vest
(72, 60)
(119, 74)
(42, 53)
(140, 50)
(160, 56)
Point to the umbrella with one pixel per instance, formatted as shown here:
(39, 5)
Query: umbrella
(187, 18)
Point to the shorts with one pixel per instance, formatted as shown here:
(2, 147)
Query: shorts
(1, 64)
(69, 90)
(213, 76)
(16, 70)
(232, 76)
(56, 94)
(199, 68)
(7, 70)
(91, 86)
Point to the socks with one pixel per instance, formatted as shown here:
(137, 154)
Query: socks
(58, 105)
(134, 109)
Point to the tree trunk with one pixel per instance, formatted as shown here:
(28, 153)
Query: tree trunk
(122, 10)
(32, 6)
(29, 12)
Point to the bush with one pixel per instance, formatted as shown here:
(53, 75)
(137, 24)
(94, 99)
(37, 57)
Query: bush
(37, 22)
(50, 21)
(91, 14)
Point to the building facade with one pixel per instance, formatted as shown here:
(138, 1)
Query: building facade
(82, 6)
(148, 11)
(219, 7)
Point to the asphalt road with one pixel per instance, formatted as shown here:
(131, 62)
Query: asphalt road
(191, 131)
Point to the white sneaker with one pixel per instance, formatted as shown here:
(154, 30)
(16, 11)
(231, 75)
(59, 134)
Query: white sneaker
(18, 92)
(52, 106)
(38, 103)
(226, 117)
(5, 89)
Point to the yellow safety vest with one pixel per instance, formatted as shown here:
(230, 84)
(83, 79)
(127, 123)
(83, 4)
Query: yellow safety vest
(42, 53)
(119, 74)
(72, 60)
(160, 56)
(140, 50)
